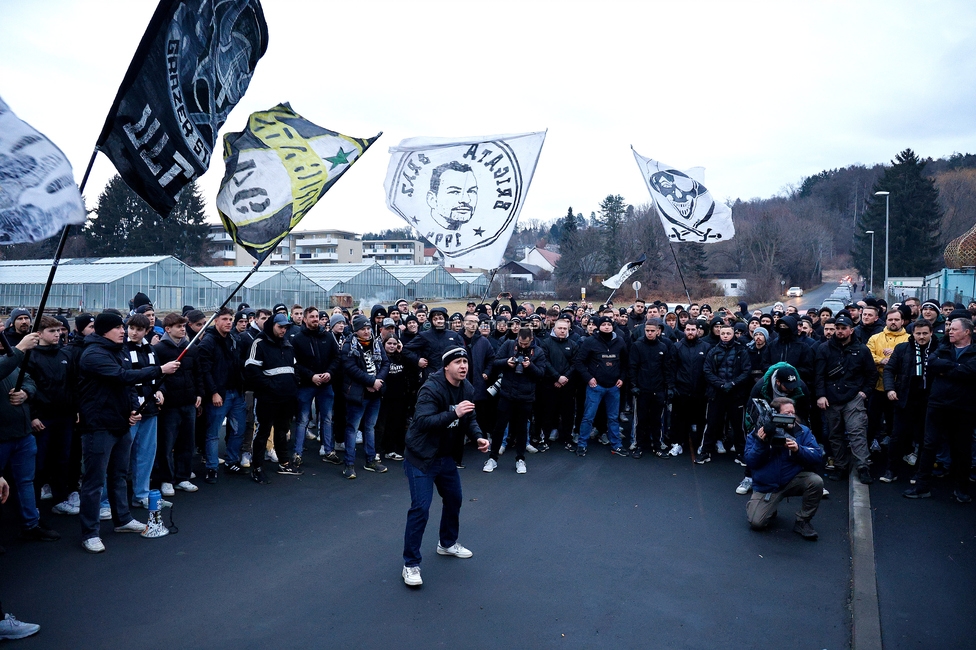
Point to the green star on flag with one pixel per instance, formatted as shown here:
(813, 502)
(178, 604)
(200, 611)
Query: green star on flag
(340, 158)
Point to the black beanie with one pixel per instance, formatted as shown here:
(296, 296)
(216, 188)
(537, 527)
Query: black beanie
(140, 299)
(106, 322)
(82, 321)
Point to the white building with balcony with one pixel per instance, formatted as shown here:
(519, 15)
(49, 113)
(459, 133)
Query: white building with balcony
(404, 252)
(300, 247)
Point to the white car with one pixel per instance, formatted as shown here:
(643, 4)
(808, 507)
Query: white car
(794, 292)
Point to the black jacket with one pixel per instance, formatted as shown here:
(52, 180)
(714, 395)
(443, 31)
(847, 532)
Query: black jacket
(520, 386)
(431, 345)
(652, 365)
(953, 378)
(435, 428)
(315, 352)
(184, 386)
(481, 356)
(689, 364)
(356, 376)
(270, 367)
(15, 421)
(900, 375)
(788, 348)
(727, 369)
(141, 355)
(843, 371)
(560, 354)
(605, 361)
(220, 363)
(759, 359)
(864, 332)
(51, 369)
(106, 396)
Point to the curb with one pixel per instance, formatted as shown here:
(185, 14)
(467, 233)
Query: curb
(866, 615)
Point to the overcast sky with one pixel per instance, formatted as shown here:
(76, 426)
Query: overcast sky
(760, 94)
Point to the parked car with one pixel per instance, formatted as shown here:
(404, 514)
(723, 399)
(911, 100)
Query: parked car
(833, 304)
(794, 292)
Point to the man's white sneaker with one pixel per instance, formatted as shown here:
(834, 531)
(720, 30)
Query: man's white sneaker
(825, 493)
(911, 459)
(529, 447)
(246, 459)
(719, 447)
(65, 508)
(676, 450)
(104, 514)
(501, 450)
(11, 628)
(520, 467)
(93, 545)
(46, 492)
(554, 435)
(393, 456)
(411, 576)
(132, 527)
(490, 465)
(166, 489)
(74, 499)
(359, 437)
(745, 486)
(340, 446)
(456, 550)
(186, 486)
(271, 455)
(322, 451)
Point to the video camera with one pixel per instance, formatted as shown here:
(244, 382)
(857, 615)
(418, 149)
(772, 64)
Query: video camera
(777, 427)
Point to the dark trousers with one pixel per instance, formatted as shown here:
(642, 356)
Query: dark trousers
(555, 408)
(106, 457)
(725, 409)
(443, 475)
(394, 411)
(272, 415)
(486, 412)
(174, 448)
(956, 426)
(650, 409)
(53, 457)
(881, 415)
(909, 429)
(515, 414)
(688, 411)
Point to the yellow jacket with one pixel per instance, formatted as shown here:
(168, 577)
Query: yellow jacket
(881, 345)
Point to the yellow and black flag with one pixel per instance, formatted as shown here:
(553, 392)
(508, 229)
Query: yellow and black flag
(276, 170)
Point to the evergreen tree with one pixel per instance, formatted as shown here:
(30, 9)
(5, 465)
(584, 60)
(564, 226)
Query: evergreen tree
(611, 217)
(914, 220)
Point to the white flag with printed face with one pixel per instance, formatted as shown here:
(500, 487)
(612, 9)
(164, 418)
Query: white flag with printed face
(38, 195)
(687, 209)
(463, 194)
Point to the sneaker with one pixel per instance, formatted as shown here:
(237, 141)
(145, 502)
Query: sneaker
(46, 493)
(258, 476)
(676, 450)
(826, 494)
(393, 456)
(186, 486)
(234, 468)
(532, 449)
(271, 455)
(805, 530)
(359, 437)
(554, 435)
(104, 514)
(74, 499)
(289, 469)
(580, 452)
(411, 576)
(619, 451)
(501, 450)
(132, 527)
(166, 489)
(703, 458)
(490, 465)
(875, 447)
(519, 469)
(830, 464)
(246, 460)
(375, 466)
(349, 472)
(310, 436)
(570, 446)
(719, 447)
(456, 550)
(739, 460)
(604, 440)
(745, 487)
(193, 475)
(140, 503)
(340, 446)
(296, 460)
(864, 475)
(961, 497)
(65, 508)
(638, 452)
(915, 493)
(40, 533)
(321, 451)
(333, 458)
(210, 477)
(93, 545)
(623, 417)
(888, 477)
(542, 446)
(11, 628)
(910, 459)
(221, 461)
(459, 465)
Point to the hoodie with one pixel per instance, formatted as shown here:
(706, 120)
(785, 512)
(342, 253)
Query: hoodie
(789, 349)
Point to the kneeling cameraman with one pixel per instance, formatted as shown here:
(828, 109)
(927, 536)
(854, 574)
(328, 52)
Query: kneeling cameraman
(783, 456)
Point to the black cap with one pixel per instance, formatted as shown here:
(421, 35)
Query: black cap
(279, 308)
(788, 379)
(844, 320)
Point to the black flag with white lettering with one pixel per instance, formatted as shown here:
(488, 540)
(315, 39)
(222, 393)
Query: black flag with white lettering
(193, 65)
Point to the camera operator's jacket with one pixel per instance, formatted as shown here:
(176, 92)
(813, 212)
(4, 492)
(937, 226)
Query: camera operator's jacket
(843, 371)
(774, 467)
(520, 386)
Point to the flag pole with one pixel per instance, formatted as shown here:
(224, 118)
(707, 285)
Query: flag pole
(491, 279)
(678, 266)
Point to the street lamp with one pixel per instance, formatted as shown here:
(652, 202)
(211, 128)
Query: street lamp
(885, 194)
(871, 232)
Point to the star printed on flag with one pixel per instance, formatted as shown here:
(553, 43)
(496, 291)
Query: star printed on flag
(341, 158)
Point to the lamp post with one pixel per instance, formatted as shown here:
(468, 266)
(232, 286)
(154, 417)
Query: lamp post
(871, 232)
(886, 195)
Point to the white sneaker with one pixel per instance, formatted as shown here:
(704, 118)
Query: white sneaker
(394, 456)
(166, 489)
(11, 628)
(554, 435)
(104, 514)
(359, 437)
(132, 527)
(65, 508)
(310, 436)
(74, 499)
(246, 459)
(221, 461)
(719, 447)
(501, 450)
(186, 486)
(676, 450)
(193, 475)
(604, 440)
(411, 576)
(825, 493)
(490, 465)
(520, 467)
(322, 451)
(46, 493)
(271, 455)
(141, 503)
(530, 448)
(911, 459)
(457, 551)
(93, 545)
(745, 486)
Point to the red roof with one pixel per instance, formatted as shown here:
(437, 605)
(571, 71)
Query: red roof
(550, 256)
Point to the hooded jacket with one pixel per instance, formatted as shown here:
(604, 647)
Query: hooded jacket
(270, 367)
(315, 352)
(220, 363)
(184, 386)
(106, 380)
(865, 332)
(764, 390)
(436, 429)
(520, 386)
(652, 365)
(844, 370)
(431, 344)
(774, 467)
(53, 373)
(560, 354)
(689, 363)
(877, 344)
(15, 421)
(787, 348)
(601, 359)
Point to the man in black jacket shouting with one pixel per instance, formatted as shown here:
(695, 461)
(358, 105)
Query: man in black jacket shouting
(445, 410)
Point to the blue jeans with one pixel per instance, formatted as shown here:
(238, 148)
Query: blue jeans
(21, 453)
(233, 410)
(366, 413)
(105, 454)
(442, 473)
(142, 455)
(323, 398)
(611, 398)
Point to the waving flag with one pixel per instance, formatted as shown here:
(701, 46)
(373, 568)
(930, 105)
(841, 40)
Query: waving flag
(193, 65)
(276, 170)
(38, 195)
(687, 209)
(464, 195)
(627, 270)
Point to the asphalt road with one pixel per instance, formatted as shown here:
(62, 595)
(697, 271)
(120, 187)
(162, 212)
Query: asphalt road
(577, 553)
(811, 299)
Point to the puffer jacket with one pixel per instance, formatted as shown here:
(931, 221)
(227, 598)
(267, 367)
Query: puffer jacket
(727, 369)
(436, 428)
(689, 363)
(652, 365)
(877, 344)
(106, 380)
(953, 378)
(774, 467)
(51, 369)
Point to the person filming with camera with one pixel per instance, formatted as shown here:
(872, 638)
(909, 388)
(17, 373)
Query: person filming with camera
(783, 456)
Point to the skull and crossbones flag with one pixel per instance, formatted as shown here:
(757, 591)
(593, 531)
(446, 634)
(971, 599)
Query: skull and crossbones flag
(463, 195)
(687, 209)
(276, 170)
(38, 195)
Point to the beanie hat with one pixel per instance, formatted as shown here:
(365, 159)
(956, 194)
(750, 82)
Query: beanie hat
(194, 315)
(359, 321)
(139, 300)
(335, 320)
(82, 321)
(410, 319)
(452, 354)
(106, 322)
(763, 331)
(142, 309)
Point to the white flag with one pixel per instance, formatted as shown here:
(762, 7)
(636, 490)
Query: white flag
(463, 194)
(38, 195)
(687, 209)
(627, 270)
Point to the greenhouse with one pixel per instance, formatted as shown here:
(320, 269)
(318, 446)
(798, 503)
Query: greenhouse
(427, 281)
(368, 284)
(267, 286)
(94, 284)
(473, 284)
